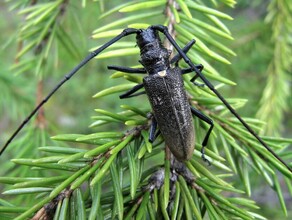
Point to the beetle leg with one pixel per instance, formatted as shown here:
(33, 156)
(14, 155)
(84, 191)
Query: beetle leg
(200, 67)
(130, 92)
(127, 69)
(124, 69)
(157, 134)
(164, 30)
(152, 130)
(209, 121)
(177, 57)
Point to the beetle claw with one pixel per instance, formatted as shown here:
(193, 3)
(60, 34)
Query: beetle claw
(203, 156)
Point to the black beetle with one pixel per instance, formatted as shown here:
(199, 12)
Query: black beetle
(165, 90)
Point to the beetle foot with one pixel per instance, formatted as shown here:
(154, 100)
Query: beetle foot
(198, 84)
(203, 156)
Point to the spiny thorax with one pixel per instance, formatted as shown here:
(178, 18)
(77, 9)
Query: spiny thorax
(154, 56)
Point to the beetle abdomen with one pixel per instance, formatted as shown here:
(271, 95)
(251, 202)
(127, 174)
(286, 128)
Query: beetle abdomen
(172, 111)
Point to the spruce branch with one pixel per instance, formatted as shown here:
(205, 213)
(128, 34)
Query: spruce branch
(115, 172)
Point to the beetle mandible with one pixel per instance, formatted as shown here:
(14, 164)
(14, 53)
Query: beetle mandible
(165, 90)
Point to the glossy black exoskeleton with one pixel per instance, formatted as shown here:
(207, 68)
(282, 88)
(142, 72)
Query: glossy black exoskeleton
(165, 90)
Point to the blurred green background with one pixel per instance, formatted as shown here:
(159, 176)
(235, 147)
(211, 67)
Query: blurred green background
(70, 109)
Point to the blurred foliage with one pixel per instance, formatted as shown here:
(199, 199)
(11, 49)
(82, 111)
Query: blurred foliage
(263, 43)
(52, 37)
(278, 88)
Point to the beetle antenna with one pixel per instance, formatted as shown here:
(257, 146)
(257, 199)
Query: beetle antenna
(164, 30)
(94, 53)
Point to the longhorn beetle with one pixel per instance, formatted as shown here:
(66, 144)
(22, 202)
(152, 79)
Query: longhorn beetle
(165, 90)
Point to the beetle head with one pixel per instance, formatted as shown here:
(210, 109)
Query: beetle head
(154, 56)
